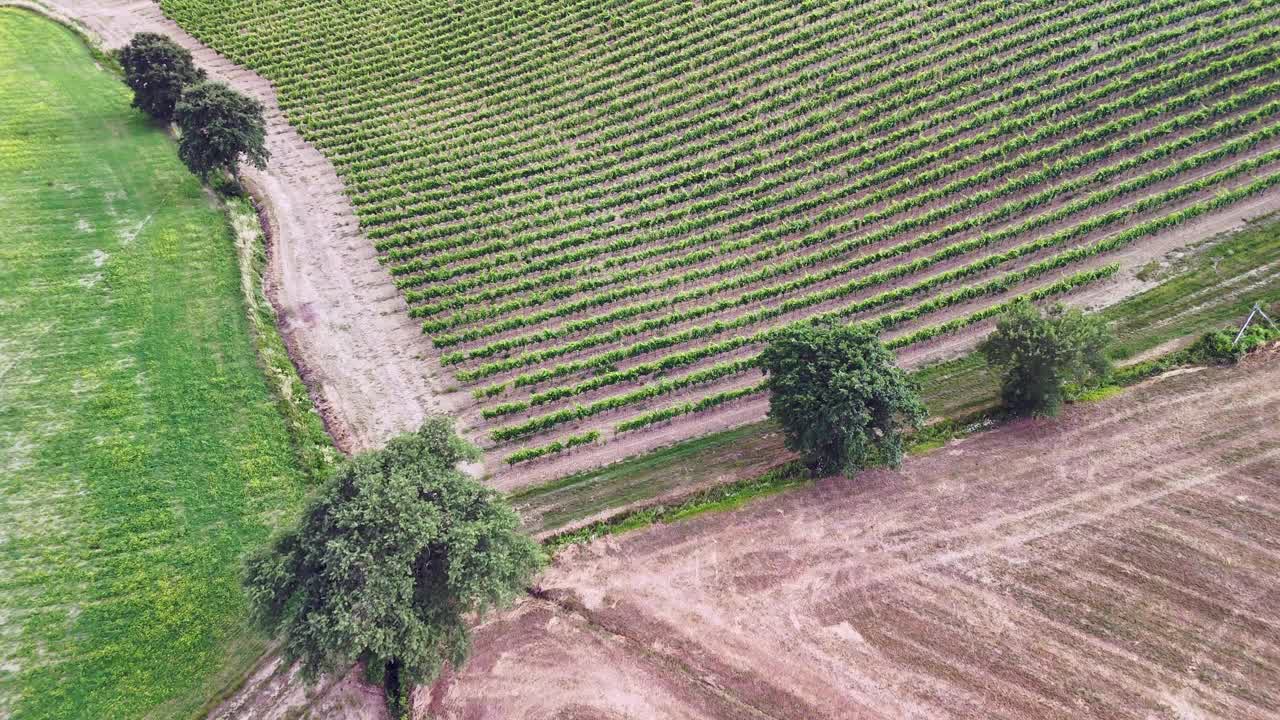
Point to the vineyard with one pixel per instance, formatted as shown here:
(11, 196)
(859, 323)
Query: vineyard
(599, 211)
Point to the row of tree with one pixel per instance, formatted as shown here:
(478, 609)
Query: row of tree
(218, 127)
(844, 404)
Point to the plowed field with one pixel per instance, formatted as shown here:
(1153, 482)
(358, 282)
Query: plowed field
(1120, 562)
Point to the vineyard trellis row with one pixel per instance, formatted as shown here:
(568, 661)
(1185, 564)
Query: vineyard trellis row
(599, 212)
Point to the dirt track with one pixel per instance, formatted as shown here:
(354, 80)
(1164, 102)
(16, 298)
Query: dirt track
(362, 357)
(1120, 562)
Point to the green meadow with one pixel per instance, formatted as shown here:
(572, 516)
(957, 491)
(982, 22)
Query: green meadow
(141, 450)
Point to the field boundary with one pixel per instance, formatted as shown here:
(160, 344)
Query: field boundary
(313, 443)
(788, 475)
(365, 364)
(949, 589)
(92, 41)
(546, 505)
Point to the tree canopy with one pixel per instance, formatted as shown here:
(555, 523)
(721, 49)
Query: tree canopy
(157, 69)
(1038, 353)
(839, 397)
(390, 557)
(219, 127)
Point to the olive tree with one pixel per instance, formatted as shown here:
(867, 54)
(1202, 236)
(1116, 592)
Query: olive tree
(391, 558)
(838, 396)
(1037, 353)
(220, 127)
(157, 70)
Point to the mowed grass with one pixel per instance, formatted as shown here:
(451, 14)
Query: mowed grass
(140, 450)
(1214, 286)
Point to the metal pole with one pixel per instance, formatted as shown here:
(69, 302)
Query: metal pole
(1244, 327)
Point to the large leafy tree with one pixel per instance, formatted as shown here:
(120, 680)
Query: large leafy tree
(839, 397)
(219, 127)
(391, 557)
(157, 69)
(1038, 352)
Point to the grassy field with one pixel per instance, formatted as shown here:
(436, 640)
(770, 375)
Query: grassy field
(142, 451)
(598, 212)
(1211, 286)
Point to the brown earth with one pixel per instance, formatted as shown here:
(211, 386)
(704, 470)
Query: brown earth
(274, 691)
(1119, 562)
(369, 370)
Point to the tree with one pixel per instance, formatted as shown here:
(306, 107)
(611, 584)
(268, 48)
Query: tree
(390, 558)
(219, 126)
(839, 397)
(157, 69)
(1037, 353)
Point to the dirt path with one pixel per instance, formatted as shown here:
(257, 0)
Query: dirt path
(275, 692)
(364, 360)
(1119, 562)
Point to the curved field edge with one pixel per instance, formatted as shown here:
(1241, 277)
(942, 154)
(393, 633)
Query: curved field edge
(153, 427)
(1210, 284)
(312, 444)
(603, 151)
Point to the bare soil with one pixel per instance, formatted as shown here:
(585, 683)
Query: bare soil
(369, 370)
(274, 691)
(1118, 562)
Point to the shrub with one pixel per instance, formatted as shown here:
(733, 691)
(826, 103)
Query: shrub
(1037, 353)
(1216, 346)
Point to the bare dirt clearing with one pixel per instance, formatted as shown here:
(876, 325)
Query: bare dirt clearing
(364, 361)
(1121, 561)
